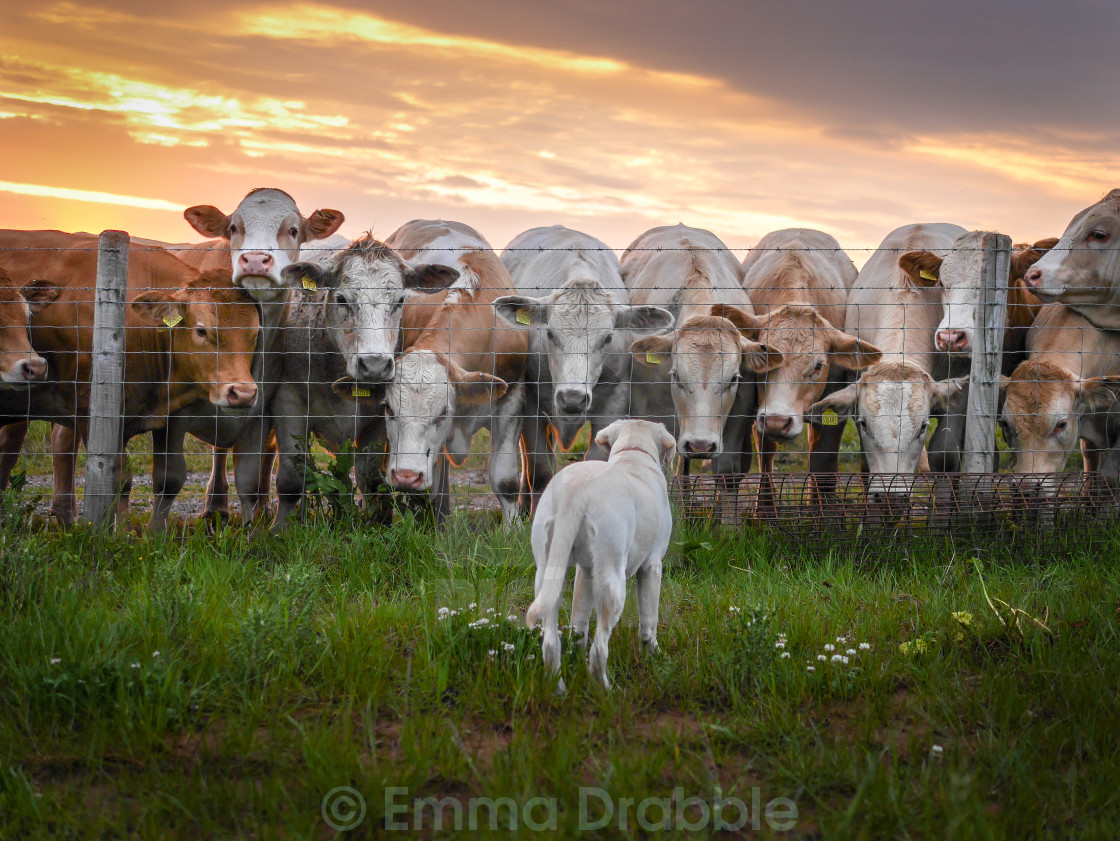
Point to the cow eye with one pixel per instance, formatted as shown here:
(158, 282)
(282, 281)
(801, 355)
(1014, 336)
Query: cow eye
(552, 337)
(200, 331)
(342, 300)
(606, 340)
(1060, 425)
(389, 411)
(817, 369)
(1098, 235)
(293, 232)
(233, 229)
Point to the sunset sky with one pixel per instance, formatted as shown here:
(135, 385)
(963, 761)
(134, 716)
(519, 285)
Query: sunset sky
(610, 117)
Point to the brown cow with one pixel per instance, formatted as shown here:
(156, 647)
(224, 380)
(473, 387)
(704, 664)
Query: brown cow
(798, 280)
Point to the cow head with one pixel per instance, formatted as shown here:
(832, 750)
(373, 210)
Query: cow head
(265, 233)
(20, 365)
(704, 361)
(578, 328)
(213, 330)
(958, 276)
(420, 407)
(1043, 407)
(809, 346)
(367, 285)
(891, 405)
(1084, 266)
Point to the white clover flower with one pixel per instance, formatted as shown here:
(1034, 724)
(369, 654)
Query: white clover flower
(508, 646)
(732, 609)
(841, 640)
(512, 617)
(844, 660)
(472, 606)
(829, 647)
(55, 661)
(810, 668)
(136, 665)
(821, 658)
(155, 653)
(453, 613)
(443, 611)
(785, 655)
(865, 646)
(780, 644)
(492, 653)
(850, 651)
(491, 610)
(531, 657)
(836, 658)
(937, 750)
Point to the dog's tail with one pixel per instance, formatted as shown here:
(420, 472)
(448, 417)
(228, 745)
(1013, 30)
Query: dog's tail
(551, 584)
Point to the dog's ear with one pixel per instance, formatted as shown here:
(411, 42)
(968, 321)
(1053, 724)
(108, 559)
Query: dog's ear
(668, 444)
(607, 436)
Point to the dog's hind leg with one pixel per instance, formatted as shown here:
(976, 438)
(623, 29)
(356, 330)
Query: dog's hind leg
(649, 596)
(582, 603)
(610, 595)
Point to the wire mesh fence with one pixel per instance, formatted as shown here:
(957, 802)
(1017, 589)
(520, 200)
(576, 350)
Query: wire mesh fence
(429, 372)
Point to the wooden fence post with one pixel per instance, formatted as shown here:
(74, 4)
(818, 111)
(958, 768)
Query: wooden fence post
(987, 355)
(106, 400)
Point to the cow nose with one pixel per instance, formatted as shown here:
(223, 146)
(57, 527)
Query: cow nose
(700, 447)
(374, 368)
(241, 395)
(1033, 277)
(255, 262)
(33, 369)
(779, 426)
(409, 480)
(952, 340)
(572, 401)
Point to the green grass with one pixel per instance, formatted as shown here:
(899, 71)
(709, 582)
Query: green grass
(289, 666)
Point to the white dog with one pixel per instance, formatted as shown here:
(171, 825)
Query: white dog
(613, 520)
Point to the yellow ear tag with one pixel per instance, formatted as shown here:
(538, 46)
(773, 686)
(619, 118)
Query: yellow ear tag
(924, 275)
(522, 316)
(361, 392)
(653, 358)
(171, 321)
(310, 285)
(830, 418)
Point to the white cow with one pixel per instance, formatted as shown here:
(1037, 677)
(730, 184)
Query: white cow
(892, 400)
(700, 380)
(577, 314)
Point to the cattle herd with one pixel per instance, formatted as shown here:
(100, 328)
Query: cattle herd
(277, 331)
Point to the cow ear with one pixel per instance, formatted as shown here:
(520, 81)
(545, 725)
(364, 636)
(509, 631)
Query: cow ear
(522, 311)
(758, 358)
(310, 275)
(208, 221)
(941, 392)
(654, 352)
(922, 267)
(321, 224)
(746, 323)
(838, 406)
(429, 278)
(474, 388)
(1097, 394)
(643, 319)
(849, 352)
(38, 294)
(159, 307)
(1024, 258)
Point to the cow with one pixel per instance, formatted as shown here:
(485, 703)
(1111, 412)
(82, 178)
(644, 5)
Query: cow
(68, 262)
(892, 400)
(577, 314)
(260, 239)
(343, 334)
(1082, 270)
(1061, 395)
(462, 370)
(698, 381)
(798, 280)
(957, 277)
(20, 366)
